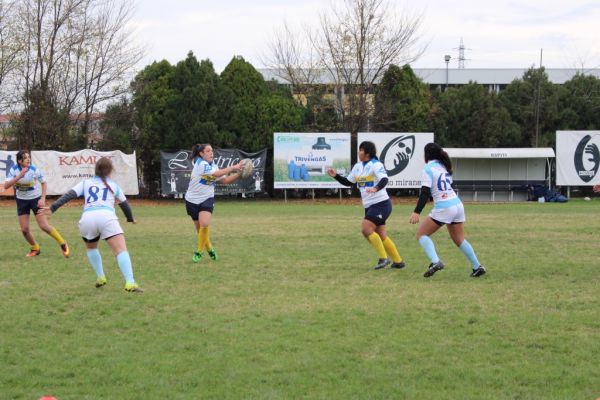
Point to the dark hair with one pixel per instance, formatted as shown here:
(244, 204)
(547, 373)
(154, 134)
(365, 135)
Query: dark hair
(197, 149)
(368, 148)
(21, 154)
(434, 151)
(103, 169)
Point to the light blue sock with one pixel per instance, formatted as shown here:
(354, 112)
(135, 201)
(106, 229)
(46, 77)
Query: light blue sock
(124, 262)
(96, 261)
(468, 251)
(427, 245)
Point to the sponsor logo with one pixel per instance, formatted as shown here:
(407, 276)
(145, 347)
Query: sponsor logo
(180, 161)
(79, 160)
(397, 154)
(586, 153)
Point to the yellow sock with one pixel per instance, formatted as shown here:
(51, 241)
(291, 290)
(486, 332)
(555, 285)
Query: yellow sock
(56, 236)
(207, 243)
(35, 247)
(375, 241)
(391, 249)
(202, 238)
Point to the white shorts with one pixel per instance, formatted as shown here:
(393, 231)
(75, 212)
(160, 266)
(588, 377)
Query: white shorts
(449, 215)
(99, 224)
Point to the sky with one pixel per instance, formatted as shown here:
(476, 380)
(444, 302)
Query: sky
(495, 34)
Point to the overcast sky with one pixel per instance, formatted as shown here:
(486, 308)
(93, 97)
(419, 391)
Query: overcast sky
(496, 34)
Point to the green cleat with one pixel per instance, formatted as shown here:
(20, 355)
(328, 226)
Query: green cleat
(197, 256)
(133, 288)
(213, 254)
(101, 281)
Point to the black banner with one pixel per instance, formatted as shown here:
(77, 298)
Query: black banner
(176, 169)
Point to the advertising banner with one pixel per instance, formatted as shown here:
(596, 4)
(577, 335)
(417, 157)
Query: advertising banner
(300, 160)
(577, 158)
(401, 154)
(176, 169)
(64, 170)
(7, 160)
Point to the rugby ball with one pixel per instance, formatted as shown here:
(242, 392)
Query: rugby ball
(247, 168)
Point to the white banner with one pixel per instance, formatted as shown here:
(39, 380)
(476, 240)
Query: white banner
(401, 154)
(300, 160)
(64, 170)
(577, 158)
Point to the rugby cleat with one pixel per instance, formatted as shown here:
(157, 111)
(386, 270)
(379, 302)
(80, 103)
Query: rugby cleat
(478, 272)
(212, 253)
(398, 265)
(197, 256)
(33, 253)
(382, 263)
(101, 281)
(133, 288)
(65, 249)
(433, 268)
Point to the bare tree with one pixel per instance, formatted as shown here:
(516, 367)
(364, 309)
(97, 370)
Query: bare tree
(354, 43)
(9, 49)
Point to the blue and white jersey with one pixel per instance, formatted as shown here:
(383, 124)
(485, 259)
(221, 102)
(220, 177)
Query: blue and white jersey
(96, 194)
(202, 182)
(29, 186)
(439, 181)
(367, 175)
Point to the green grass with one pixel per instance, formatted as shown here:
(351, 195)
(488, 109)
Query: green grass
(293, 308)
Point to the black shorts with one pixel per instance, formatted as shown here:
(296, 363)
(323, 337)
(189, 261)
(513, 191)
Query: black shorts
(194, 209)
(378, 213)
(24, 207)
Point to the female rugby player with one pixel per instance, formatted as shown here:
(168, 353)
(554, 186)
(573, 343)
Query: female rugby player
(30, 193)
(370, 176)
(99, 221)
(447, 210)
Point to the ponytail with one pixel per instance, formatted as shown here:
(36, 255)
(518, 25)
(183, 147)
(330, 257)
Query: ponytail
(434, 151)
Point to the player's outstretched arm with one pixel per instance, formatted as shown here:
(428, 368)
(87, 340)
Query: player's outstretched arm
(62, 200)
(127, 211)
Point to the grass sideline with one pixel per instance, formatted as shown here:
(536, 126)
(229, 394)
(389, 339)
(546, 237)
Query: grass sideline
(293, 308)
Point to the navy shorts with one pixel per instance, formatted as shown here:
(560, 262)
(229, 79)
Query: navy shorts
(378, 213)
(194, 209)
(24, 207)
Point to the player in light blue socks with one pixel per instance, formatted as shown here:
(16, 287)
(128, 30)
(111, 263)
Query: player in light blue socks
(125, 266)
(96, 260)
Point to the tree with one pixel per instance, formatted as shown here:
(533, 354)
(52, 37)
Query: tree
(354, 45)
(533, 104)
(402, 102)
(118, 127)
(9, 50)
(579, 103)
(470, 116)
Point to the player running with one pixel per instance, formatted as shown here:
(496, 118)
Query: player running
(30, 194)
(371, 178)
(447, 210)
(99, 221)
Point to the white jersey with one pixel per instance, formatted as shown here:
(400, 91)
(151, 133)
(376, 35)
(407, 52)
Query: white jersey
(439, 181)
(97, 195)
(29, 186)
(202, 182)
(367, 175)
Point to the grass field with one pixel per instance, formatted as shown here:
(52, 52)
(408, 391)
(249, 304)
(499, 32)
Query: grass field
(294, 310)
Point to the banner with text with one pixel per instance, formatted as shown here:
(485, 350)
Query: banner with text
(401, 154)
(176, 169)
(577, 158)
(64, 170)
(7, 160)
(300, 160)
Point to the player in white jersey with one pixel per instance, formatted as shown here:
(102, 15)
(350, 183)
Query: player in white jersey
(30, 194)
(370, 177)
(99, 221)
(200, 196)
(447, 210)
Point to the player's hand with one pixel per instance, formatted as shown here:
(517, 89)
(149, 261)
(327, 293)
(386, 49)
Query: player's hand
(44, 211)
(371, 190)
(414, 218)
(41, 203)
(331, 172)
(596, 188)
(23, 172)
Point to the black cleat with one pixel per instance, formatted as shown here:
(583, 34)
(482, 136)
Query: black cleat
(398, 265)
(382, 263)
(478, 272)
(433, 268)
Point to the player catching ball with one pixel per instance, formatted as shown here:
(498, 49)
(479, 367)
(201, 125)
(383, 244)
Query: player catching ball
(30, 193)
(200, 196)
(371, 178)
(99, 221)
(447, 210)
